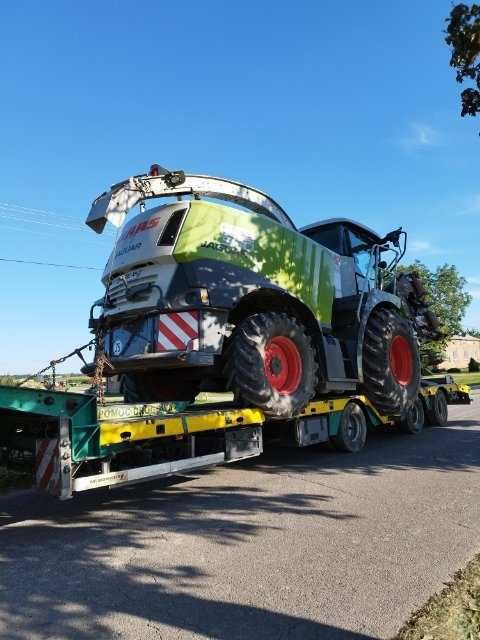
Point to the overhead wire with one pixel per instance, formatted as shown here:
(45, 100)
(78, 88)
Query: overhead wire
(64, 221)
(22, 216)
(51, 264)
(49, 233)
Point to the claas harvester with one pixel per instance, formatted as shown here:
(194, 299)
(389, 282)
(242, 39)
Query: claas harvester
(231, 296)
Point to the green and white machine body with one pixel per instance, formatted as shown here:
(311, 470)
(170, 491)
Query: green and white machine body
(180, 274)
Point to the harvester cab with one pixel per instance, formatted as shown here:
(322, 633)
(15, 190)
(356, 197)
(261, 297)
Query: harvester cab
(235, 297)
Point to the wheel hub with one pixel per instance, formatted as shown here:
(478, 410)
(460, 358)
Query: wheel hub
(401, 360)
(283, 365)
(275, 366)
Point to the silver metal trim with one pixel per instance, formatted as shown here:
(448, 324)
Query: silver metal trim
(113, 205)
(151, 472)
(65, 458)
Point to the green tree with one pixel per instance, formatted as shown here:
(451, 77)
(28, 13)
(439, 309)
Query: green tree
(473, 366)
(463, 37)
(472, 332)
(449, 300)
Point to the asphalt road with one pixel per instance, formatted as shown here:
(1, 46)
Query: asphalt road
(307, 544)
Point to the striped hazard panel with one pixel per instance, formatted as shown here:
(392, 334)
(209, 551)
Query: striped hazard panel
(176, 330)
(47, 465)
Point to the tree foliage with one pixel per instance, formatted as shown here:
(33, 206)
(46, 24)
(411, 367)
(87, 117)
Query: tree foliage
(446, 292)
(449, 300)
(463, 36)
(471, 332)
(473, 366)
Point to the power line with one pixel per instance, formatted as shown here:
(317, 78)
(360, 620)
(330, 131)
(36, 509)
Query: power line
(13, 210)
(98, 242)
(40, 212)
(14, 216)
(50, 264)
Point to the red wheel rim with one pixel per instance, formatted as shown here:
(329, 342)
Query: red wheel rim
(401, 360)
(283, 365)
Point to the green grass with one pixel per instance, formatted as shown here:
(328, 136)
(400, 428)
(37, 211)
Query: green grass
(461, 378)
(466, 378)
(453, 614)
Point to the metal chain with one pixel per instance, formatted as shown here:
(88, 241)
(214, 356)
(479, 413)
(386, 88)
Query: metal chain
(53, 363)
(100, 357)
(54, 374)
(100, 361)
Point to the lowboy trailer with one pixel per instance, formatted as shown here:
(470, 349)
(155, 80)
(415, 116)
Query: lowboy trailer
(76, 444)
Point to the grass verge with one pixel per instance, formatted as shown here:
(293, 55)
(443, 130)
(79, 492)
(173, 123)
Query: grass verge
(453, 614)
(460, 378)
(467, 378)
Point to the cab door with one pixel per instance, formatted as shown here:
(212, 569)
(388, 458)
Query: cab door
(360, 250)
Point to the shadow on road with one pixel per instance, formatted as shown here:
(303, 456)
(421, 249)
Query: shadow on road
(437, 448)
(65, 569)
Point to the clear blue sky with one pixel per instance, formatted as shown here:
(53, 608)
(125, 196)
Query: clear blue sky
(336, 109)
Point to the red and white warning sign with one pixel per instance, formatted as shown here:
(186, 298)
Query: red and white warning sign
(47, 465)
(176, 330)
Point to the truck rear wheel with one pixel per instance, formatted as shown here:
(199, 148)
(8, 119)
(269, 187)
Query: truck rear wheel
(437, 411)
(272, 365)
(151, 387)
(352, 430)
(391, 364)
(414, 418)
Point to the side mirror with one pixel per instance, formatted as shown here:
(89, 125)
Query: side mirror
(382, 264)
(393, 237)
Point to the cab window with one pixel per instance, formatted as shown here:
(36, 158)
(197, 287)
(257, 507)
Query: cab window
(331, 237)
(359, 249)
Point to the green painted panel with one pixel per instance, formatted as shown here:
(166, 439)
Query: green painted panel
(81, 409)
(373, 419)
(334, 422)
(285, 257)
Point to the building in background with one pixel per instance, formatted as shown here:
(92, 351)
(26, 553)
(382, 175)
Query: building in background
(459, 350)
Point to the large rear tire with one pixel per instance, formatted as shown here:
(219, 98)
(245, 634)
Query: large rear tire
(391, 363)
(151, 387)
(272, 365)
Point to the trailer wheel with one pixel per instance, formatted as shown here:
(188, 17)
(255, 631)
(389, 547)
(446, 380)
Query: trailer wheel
(437, 410)
(352, 430)
(391, 363)
(271, 364)
(414, 418)
(144, 387)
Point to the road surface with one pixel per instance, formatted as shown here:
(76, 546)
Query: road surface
(307, 544)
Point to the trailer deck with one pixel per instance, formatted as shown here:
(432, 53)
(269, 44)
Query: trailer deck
(78, 444)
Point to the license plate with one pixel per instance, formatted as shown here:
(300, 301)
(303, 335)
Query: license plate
(131, 340)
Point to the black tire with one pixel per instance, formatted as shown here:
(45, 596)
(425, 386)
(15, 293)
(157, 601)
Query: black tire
(145, 387)
(437, 410)
(414, 418)
(352, 430)
(391, 362)
(271, 364)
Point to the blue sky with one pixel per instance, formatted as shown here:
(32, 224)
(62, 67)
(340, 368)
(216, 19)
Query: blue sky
(336, 109)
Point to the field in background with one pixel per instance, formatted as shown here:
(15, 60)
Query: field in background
(461, 378)
(467, 378)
